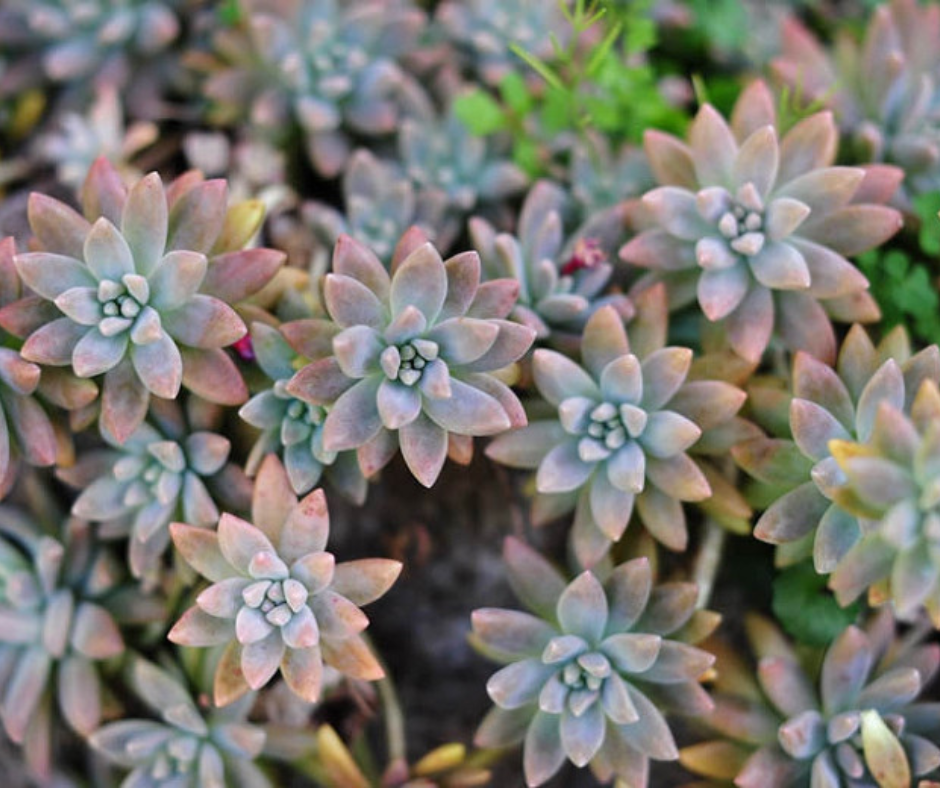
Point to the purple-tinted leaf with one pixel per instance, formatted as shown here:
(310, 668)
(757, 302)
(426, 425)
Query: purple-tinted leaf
(212, 375)
(424, 449)
(159, 366)
(235, 276)
(59, 229)
(144, 222)
(50, 275)
(351, 303)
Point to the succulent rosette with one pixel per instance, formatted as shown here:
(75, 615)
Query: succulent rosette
(59, 616)
(849, 717)
(152, 478)
(278, 599)
(411, 355)
(78, 139)
(601, 178)
(865, 400)
(133, 296)
(757, 229)
(69, 42)
(462, 171)
(885, 89)
(331, 66)
(292, 427)
(890, 483)
(380, 205)
(561, 281)
(590, 669)
(485, 31)
(624, 423)
(187, 748)
(25, 429)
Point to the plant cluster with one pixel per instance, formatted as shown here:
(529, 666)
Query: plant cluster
(268, 264)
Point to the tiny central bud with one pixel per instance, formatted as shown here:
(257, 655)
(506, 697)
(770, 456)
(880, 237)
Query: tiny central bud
(244, 348)
(406, 363)
(121, 302)
(609, 428)
(742, 225)
(585, 675)
(587, 254)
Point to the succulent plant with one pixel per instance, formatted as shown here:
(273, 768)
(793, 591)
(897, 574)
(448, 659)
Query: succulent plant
(278, 598)
(601, 179)
(25, 429)
(59, 618)
(850, 721)
(330, 66)
(889, 483)
(624, 423)
(142, 305)
(69, 42)
(411, 355)
(158, 474)
(292, 427)
(589, 669)
(380, 204)
(78, 140)
(187, 748)
(865, 401)
(885, 90)
(758, 229)
(485, 30)
(465, 172)
(561, 282)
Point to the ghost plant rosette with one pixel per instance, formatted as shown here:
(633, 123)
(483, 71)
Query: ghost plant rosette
(589, 669)
(757, 228)
(127, 292)
(188, 747)
(76, 42)
(848, 717)
(851, 426)
(330, 66)
(412, 355)
(891, 482)
(291, 427)
(884, 89)
(61, 606)
(25, 428)
(278, 598)
(561, 281)
(146, 482)
(620, 439)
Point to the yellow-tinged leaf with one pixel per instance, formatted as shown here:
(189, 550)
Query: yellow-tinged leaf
(766, 638)
(926, 405)
(27, 113)
(242, 221)
(849, 500)
(933, 610)
(720, 760)
(884, 754)
(447, 756)
(470, 778)
(879, 593)
(843, 451)
(337, 760)
(229, 683)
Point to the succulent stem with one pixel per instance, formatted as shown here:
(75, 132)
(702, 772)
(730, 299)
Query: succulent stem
(708, 561)
(394, 719)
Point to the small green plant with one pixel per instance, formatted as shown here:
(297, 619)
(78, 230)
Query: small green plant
(603, 86)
